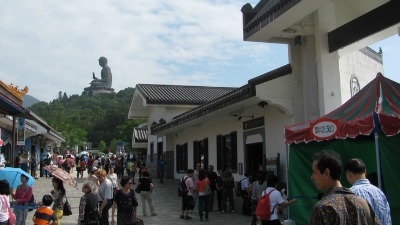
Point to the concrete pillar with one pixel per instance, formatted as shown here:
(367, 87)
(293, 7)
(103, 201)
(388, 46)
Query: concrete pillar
(327, 63)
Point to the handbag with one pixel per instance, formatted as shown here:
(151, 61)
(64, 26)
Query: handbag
(13, 219)
(67, 208)
(138, 189)
(139, 222)
(208, 191)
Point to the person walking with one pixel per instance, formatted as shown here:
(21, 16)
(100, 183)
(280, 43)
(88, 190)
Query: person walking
(146, 186)
(339, 205)
(202, 182)
(125, 201)
(114, 179)
(4, 203)
(356, 175)
(88, 206)
(59, 196)
(22, 196)
(105, 196)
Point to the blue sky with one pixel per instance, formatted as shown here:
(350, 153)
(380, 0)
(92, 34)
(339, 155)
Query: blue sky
(53, 46)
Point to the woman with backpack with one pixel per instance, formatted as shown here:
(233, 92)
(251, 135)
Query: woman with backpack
(59, 196)
(22, 196)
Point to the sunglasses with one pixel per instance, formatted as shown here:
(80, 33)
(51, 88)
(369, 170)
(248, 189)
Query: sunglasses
(129, 182)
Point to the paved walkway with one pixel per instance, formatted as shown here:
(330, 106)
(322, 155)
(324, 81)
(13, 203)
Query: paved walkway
(166, 202)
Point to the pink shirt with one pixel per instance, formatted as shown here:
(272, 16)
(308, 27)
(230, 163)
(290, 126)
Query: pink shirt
(23, 194)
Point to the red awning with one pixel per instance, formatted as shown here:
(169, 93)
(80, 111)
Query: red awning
(380, 96)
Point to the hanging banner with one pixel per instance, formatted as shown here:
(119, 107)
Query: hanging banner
(21, 132)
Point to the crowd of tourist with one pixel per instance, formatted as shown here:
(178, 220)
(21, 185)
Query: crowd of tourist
(110, 179)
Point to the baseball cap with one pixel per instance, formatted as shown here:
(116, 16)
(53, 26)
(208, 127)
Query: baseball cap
(94, 168)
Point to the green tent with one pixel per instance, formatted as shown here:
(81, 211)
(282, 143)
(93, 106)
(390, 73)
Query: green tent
(367, 127)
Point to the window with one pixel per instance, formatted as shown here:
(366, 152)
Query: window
(159, 149)
(151, 151)
(181, 158)
(227, 151)
(200, 153)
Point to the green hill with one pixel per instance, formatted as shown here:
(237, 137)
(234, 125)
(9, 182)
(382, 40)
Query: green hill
(101, 119)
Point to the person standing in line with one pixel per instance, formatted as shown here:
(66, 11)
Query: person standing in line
(125, 201)
(104, 196)
(161, 168)
(146, 187)
(202, 182)
(220, 190)
(339, 205)
(59, 196)
(228, 184)
(17, 162)
(22, 196)
(195, 176)
(257, 189)
(187, 198)
(88, 206)
(4, 203)
(355, 174)
(212, 177)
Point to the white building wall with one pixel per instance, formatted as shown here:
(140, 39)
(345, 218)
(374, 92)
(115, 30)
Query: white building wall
(359, 65)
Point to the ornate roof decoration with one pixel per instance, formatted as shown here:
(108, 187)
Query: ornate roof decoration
(14, 90)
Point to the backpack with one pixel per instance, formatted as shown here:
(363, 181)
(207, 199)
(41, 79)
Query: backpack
(182, 189)
(238, 188)
(263, 210)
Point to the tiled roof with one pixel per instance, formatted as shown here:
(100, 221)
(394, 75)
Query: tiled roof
(264, 13)
(180, 95)
(140, 134)
(237, 95)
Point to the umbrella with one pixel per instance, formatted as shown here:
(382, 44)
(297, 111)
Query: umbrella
(13, 176)
(62, 175)
(83, 153)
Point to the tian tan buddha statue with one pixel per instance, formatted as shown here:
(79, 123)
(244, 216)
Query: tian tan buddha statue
(106, 76)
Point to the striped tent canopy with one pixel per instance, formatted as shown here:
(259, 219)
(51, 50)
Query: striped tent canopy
(379, 99)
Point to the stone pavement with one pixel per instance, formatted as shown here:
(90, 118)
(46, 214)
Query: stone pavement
(166, 202)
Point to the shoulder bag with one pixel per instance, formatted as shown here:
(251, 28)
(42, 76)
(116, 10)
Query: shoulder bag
(67, 208)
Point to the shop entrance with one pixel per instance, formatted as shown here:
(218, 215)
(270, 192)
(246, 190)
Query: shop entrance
(254, 157)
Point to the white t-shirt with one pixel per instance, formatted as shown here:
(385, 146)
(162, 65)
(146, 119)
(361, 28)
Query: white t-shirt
(189, 184)
(105, 190)
(275, 199)
(244, 183)
(3, 208)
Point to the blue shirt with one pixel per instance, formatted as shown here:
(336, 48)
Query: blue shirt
(375, 197)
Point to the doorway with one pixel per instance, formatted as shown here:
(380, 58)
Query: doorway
(254, 157)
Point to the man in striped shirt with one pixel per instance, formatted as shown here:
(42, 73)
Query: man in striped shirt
(45, 214)
(355, 173)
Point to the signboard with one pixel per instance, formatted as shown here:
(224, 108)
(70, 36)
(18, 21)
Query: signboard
(324, 128)
(21, 132)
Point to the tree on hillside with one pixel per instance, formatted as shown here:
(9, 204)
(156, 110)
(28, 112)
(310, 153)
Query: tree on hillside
(103, 117)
